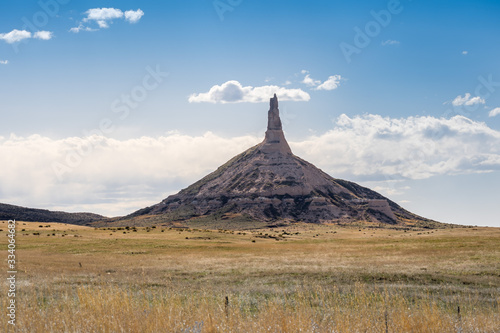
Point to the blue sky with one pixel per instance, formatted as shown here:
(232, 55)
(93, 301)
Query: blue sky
(400, 96)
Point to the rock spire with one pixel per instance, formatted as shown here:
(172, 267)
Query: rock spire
(275, 139)
(266, 185)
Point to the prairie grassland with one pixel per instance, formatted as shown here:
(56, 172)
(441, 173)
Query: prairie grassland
(301, 278)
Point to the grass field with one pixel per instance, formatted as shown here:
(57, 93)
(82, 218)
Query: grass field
(299, 278)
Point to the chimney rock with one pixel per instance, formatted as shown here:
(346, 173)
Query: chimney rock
(275, 139)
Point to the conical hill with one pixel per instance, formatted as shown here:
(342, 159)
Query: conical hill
(268, 184)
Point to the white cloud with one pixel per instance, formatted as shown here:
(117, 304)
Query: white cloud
(494, 112)
(373, 147)
(332, 83)
(15, 36)
(390, 42)
(233, 92)
(467, 100)
(103, 24)
(391, 190)
(103, 17)
(44, 35)
(80, 28)
(18, 35)
(308, 81)
(465, 52)
(4, 62)
(103, 14)
(116, 177)
(113, 177)
(133, 16)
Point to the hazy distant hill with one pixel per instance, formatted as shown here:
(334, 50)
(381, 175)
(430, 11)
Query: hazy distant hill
(11, 212)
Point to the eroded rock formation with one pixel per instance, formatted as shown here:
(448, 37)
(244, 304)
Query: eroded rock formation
(268, 183)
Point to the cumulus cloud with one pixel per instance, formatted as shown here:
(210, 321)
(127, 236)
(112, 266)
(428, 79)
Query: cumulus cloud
(233, 92)
(103, 17)
(4, 62)
(308, 81)
(133, 16)
(333, 82)
(44, 35)
(103, 14)
(390, 42)
(116, 177)
(105, 175)
(494, 112)
(374, 147)
(18, 35)
(467, 100)
(15, 36)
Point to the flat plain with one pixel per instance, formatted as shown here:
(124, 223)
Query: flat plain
(295, 278)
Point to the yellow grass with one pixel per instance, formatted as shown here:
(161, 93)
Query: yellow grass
(324, 279)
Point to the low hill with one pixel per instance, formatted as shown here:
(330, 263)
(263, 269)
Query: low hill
(18, 213)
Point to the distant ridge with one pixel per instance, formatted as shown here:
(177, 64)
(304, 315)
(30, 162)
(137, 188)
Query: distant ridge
(18, 213)
(267, 184)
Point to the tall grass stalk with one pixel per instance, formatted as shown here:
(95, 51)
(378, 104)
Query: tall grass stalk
(361, 308)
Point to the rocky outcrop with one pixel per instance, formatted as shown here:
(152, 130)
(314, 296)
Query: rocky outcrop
(274, 140)
(267, 183)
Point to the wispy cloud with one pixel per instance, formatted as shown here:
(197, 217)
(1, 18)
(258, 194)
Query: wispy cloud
(465, 52)
(4, 62)
(467, 100)
(333, 82)
(233, 92)
(494, 112)
(390, 42)
(391, 190)
(18, 35)
(103, 17)
(81, 27)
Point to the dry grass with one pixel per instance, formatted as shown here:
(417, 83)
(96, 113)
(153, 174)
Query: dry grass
(108, 308)
(324, 279)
